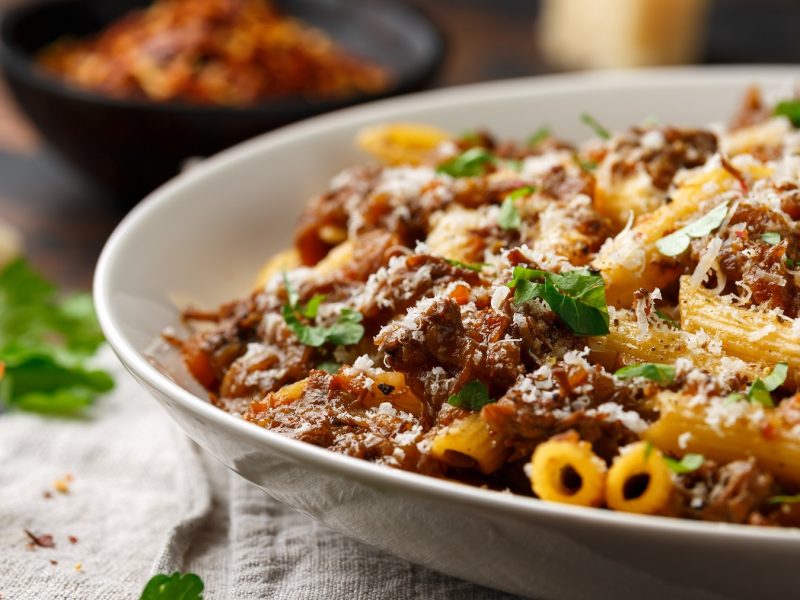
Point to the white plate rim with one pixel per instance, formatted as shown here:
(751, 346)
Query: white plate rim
(378, 474)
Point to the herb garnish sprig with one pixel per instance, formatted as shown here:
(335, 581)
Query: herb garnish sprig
(677, 242)
(347, 329)
(173, 587)
(45, 343)
(660, 373)
(474, 395)
(578, 297)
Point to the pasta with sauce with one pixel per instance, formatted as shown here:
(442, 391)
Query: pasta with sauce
(610, 325)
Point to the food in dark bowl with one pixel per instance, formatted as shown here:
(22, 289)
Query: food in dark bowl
(226, 52)
(129, 143)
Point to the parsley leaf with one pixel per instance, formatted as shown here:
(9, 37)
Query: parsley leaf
(654, 371)
(474, 395)
(677, 242)
(470, 163)
(599, 130)
(784, 499)
(771, 237)
(44, 343)
(539, 136)
(670, 321)
(477, 267)
(759, 391)
(347, 329)
(173, 587)
(509, 217)
(329, 366)
(688, 464)
(789, 109)
(578, 297)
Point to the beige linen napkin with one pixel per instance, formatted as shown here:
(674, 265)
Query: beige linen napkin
(142, 499)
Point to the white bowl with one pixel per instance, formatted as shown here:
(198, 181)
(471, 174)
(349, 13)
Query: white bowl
(205, 234)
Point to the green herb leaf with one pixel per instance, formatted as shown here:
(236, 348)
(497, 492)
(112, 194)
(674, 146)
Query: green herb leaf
(790, 263)
(677, 242)
(539, 136)
(470, 163)
(470, 136)
(771, 237)
(688, 464)
(477, 267)
(599, 130)
(310, 309)
(292, 296)
(586, 165)
(347, 329)
(789, 109)
(759, 391)
(173, 587)
(329, 366)
(733, 398)
(44, 343)
(648, 449)
(777, 376)
(664, 317)
(578, 297)
(784, 499)
(509, 217)
(654, 371)
(472, 396)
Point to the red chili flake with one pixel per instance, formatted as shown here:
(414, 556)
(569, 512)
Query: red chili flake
(43, 541)
(742, 235)
(768, 431)
(72, 539)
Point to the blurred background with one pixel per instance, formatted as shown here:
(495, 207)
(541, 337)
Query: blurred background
(65, 214)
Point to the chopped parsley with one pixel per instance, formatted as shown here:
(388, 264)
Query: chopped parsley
(677, 242)
(329, 366)
(45, 343)
(784, 499)
(688, 464)
(669, 320)
(578, 297)
(789, 109)
(759, 391)
(509, 217)
(477, 267)
(173, 587)
(598, 129)
(659, 373)
(771, 237)
(474, 395)
(790, 263)
(347, 329)
(470, 163)
(539, 136)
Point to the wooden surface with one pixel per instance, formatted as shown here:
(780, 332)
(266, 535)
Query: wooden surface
(66, 222)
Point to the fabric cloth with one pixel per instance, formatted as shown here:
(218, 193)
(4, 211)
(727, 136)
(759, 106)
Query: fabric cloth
(141, 499)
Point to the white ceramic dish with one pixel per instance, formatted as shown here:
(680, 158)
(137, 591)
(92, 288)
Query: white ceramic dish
(205, 234)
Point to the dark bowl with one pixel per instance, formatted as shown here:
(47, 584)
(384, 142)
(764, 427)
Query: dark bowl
(129, 147)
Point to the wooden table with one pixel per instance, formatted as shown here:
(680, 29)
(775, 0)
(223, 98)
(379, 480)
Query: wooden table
(66, 221)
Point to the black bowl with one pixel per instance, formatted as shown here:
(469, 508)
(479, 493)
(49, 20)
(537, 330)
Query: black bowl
(129, 147)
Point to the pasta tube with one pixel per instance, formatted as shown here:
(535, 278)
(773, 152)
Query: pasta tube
(748, 334)
(566, 470)
(639, 481)
(631, 260)
(725, 431)
(401, 143)
(469, 442)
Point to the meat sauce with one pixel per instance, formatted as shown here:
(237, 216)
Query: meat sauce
(433, 324)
